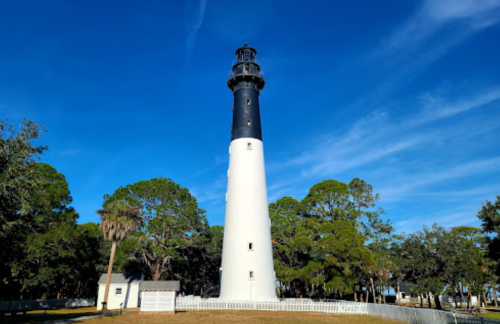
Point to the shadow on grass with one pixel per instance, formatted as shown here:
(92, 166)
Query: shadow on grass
(40, 317)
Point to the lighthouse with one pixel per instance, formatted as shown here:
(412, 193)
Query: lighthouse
(247, 271)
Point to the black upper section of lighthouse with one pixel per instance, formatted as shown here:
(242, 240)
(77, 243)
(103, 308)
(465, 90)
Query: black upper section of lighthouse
(246, 80)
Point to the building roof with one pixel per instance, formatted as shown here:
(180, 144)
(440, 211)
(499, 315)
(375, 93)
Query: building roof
(119, 278)
(159, 285)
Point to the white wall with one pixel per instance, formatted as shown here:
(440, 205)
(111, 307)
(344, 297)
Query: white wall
(129, 296)
(247, 220)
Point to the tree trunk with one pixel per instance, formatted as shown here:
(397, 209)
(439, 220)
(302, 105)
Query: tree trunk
(373, 291)
(355, 295)
(383, 294)
(108, 278)
(462, 298)
(367, 293)
(437, 302)
(478, 300)
(361, 296)
(485, 300)
(429, 300)
(156, 272)
(421, 300)
(495, 295)
(398, 293)
(469, 295)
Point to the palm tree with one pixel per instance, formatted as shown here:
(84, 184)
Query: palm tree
(117, 220)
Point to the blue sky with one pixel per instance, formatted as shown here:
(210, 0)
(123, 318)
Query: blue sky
(403, 94)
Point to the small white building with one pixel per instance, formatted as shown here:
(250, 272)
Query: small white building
(123, 289)
(405, 297)
(158, 296)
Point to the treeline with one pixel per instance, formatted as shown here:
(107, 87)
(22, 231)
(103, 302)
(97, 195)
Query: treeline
(46, 254)
(43, 251)
(334, 243)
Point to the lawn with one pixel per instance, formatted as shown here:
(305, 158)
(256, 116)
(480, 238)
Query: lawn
(39, 316)
(495, 315)
(243, 317)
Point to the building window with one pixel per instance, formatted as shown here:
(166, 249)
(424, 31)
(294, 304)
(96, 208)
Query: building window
(251, 275)
(249, 146)
(249, 123)
(118, 291)
(248, 102)
(250, 246)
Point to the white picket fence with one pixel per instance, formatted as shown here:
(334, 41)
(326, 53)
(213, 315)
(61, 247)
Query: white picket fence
(399, 313)
(424, 316)
(296, 305)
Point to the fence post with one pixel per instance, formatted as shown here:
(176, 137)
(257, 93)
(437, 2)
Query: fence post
(455, 317)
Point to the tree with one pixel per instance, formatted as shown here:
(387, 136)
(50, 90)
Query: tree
(172, 222)
(318, 250)
(118, 219)
(329, 200)
(489, 214)
(423, 260)
(292, 244)
(18, 185)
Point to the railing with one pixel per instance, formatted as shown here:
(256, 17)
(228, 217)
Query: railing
(260, 73)
(237, 60)
(39, 303)
(399, 313)
(297, 305)
(424, 316)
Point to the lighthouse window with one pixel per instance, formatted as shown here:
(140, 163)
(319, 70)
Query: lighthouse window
(248, 102)
(249, 146)
(251, 275)
(250, 246)
(249, 122)
(247, 69)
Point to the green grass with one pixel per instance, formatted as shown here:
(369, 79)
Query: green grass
(495, 315)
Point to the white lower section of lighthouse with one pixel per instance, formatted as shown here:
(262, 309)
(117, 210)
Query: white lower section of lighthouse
(247, 257)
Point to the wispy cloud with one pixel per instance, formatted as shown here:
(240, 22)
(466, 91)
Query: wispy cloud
(382, 137)
(437, 27)
(214, 192)
(472, 15)
(195, 14)
(415, 181)
(445, 218)
(435, 108)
